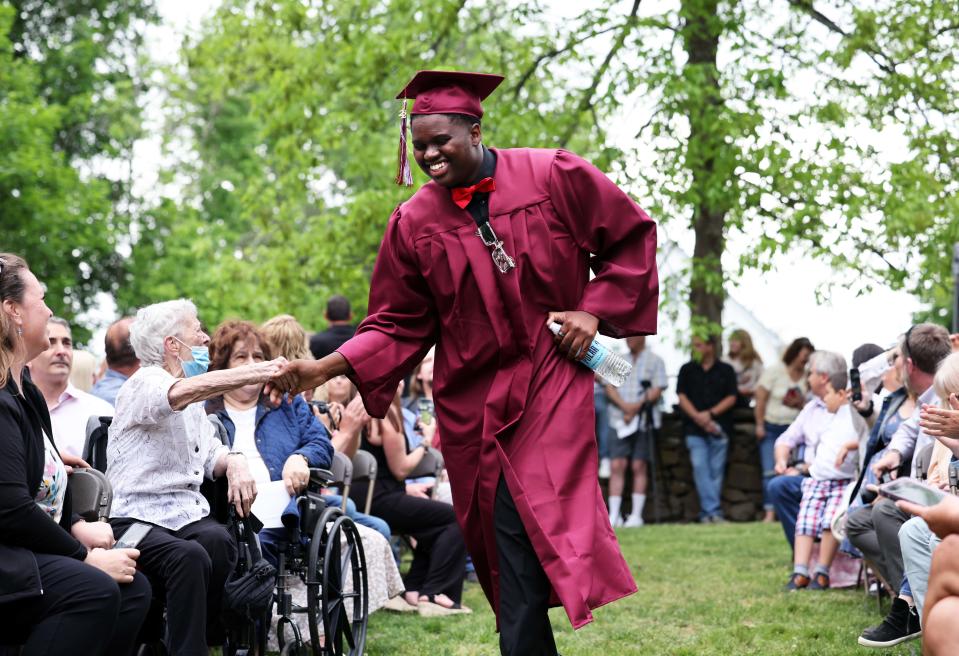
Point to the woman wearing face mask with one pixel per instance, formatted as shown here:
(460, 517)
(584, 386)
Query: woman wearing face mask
(161, 447)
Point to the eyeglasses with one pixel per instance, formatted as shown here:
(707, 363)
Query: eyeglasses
(905, 343)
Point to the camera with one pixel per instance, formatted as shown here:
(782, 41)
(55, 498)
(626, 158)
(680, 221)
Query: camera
(954, 477)
(322, 406)
(855, 385)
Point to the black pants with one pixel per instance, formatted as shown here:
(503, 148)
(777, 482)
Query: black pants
(524, 589)
(190, 566)
(874, 529)
(81, 611)
(439, 559)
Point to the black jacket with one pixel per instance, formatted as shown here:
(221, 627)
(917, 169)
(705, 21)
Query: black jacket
(324, 343)
(24, 528)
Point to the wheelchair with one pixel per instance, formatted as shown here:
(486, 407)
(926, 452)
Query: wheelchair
(322, 549)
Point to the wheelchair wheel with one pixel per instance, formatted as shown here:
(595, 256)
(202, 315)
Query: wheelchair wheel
(338, 557)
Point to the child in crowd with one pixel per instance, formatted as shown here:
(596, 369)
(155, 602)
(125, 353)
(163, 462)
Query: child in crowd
(832, 470)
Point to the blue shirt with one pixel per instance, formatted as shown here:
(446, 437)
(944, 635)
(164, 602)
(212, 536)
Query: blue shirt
(109, 386)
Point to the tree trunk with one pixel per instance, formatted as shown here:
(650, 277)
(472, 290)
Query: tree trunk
(701, 31)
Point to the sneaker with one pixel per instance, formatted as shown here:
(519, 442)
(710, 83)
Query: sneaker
(797, 582)
(633, 521)
(900, 625)
(604, 470)
(819, 581)
(616, 521)
(717, 519)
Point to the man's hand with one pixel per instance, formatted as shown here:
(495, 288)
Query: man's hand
(890, 462)
(295, 377)
(241, 488)
(93, 534)
(296, 474)
(943, 518)
(421, 490)
(576, 334)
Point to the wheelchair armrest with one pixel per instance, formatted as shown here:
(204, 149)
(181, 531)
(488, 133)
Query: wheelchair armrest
(321, 477)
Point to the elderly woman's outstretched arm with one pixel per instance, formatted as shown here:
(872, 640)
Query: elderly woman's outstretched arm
(214, 383)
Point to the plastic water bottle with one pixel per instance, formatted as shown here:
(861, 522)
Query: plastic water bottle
(610, 366)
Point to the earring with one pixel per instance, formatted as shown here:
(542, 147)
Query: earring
(19, 331)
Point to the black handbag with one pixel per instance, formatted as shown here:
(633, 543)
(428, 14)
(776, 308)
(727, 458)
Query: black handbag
(249, 591)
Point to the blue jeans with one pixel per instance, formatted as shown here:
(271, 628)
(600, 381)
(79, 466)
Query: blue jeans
(708, 455)
(767, 458)
(601, 404)
(785, 493)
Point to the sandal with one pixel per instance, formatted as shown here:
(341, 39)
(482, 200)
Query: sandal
(429, 608)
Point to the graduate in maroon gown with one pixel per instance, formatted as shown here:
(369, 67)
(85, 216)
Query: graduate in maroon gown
(477, 262)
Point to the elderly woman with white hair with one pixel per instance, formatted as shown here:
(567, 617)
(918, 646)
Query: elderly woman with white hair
(161, 447)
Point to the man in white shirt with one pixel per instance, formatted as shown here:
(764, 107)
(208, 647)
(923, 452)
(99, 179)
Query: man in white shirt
(630, 409)
(69, 407)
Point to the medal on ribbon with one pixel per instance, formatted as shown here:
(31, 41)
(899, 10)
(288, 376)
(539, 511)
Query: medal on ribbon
(501, 258)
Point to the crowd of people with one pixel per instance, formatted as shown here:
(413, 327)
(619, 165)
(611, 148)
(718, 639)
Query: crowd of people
(828, 435)
(65, 590)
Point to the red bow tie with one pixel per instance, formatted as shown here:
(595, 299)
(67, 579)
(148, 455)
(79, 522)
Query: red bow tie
(463, 195)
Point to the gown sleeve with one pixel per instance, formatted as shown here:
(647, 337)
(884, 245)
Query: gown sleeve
(603, 220)
(401, 324)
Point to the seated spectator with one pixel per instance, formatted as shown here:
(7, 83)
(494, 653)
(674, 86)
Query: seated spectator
(785, 490)
(940, 635)
(746, 363)
(285, 337)
(122, 361)
(282, 443)
(634, 414)
(874, 529)
(340, 318)
(420, 399)
(434, 583)
(83, 370)
(69, 407)
(707, 394)
(63, 590)
(780, 395)
(831, 472)
(161, 447)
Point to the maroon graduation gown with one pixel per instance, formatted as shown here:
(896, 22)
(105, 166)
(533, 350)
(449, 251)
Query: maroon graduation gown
(506, 399)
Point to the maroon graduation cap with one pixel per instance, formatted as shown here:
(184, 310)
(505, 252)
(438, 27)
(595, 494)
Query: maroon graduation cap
(441, 92)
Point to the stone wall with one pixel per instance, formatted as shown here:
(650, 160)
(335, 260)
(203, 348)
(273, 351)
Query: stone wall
(676, 500)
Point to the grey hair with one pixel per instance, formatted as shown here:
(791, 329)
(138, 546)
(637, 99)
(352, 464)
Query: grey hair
(833, 365)
(155, 323)
(61, 322)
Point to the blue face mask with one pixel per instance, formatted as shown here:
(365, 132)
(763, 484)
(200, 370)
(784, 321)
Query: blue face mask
(200, 362)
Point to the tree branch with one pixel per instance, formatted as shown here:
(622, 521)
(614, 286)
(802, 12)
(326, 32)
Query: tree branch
(587, 97)
(873, 53)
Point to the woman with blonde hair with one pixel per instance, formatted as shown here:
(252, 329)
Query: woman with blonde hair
(287, 337)
(63, 589)
(83, 371)
(746, 362)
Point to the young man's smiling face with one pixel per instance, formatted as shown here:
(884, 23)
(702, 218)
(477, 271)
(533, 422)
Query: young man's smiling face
(447, 149)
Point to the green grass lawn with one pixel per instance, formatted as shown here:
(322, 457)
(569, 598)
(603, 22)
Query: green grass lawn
(703, 590)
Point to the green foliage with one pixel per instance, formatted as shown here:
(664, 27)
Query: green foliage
(67, 108)
(291, 140)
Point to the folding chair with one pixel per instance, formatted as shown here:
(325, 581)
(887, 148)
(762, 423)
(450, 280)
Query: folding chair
(431, 465)
(364, 469)
(342, 470)
(92, 494)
